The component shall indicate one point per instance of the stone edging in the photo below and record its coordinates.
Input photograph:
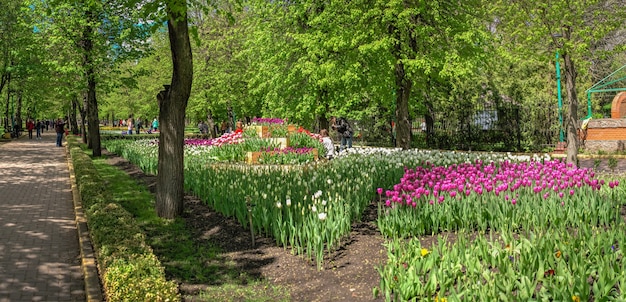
(589, 156)
(93, 289)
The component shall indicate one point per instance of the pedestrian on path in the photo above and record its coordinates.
(130, 125)
(39, 127)
(155, 124)
(30, 126)
(60, 129)
(344, 129)
(138, 125)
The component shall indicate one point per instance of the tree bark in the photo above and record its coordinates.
(403, 90)
(323, 119)
(572, 120)
(211, 123)
(572, 100)
(92, 104)
(172, 104)
(18, 110)
(73, 120)
(7, 121)
(83, 117)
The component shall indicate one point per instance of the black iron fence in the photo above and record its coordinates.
(501, 127)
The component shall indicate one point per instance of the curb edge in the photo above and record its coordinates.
(93, 289)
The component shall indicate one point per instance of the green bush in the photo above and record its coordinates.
(128, 267)
(147, 276)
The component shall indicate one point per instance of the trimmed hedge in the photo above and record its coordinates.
(128, 268)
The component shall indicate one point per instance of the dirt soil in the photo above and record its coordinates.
(349, 274)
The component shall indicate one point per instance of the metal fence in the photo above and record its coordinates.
(497, 127)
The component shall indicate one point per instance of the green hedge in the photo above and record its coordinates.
(128, 267)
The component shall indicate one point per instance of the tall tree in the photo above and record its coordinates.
(89, 54)
(424, 38)
(566, 26)
(91, 38)
(172, 104)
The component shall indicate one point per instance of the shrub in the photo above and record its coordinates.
(127, 265)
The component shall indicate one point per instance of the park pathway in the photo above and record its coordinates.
(39, 248)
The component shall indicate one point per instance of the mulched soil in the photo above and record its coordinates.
(349, 274)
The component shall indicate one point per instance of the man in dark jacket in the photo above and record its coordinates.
(60, 130)
(342, 127)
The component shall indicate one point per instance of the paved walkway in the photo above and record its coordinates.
(39, 248)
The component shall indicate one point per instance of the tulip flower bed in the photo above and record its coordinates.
(497, 196)
(524, 228)
(556, 234)
(309, 208)
(230, 147)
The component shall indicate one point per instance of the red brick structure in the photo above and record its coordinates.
(618, 107)
(606, 134)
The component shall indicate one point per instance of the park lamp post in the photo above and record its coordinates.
(558, 88)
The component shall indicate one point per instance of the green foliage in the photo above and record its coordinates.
(612, 163)
(138, 278)
(551, 265)
(130, 270)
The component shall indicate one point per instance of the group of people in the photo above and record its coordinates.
(39, 126)
(43, 125)
(138, 125)
(345, 133)
(203, 127)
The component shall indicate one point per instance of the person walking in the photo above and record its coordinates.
(155, 124)
(30, 126)
(38, 127)
(138, 125)
(129, 124)
(342, 126)
(59, 127)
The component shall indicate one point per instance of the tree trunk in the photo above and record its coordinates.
(82, 109)
(323, 119)
(18, 110)
(572, 100)
(73, 121)
(231, 119)
(7, 122)
(403, 90)
(172, 104)
(211, 122)
(92, 116)
(324, 124)
(572, 120)
(92, 104)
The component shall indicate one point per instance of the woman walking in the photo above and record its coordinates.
(30, 126)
